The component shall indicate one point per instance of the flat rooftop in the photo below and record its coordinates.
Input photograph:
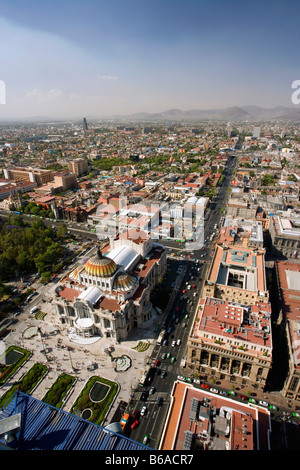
(218, 422)
(231, 321)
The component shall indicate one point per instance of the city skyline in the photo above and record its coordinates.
(123, 57)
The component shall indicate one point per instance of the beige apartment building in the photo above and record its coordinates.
(231, 341)
(78, 166)
(34, 175)
(237, 274)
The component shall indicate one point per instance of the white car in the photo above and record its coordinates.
(263, 403)
(178, 342)
(143, 410)
(214, 390)
(173, 343)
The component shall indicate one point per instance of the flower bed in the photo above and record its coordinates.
(58, 391)
(99, 409)
(141, 346)
(11, 360)
(26, 384)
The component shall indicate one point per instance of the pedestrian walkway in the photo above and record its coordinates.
(50, 344)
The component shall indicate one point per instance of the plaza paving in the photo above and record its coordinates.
(82, 358)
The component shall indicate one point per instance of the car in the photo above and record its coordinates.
(196, 381)
(173, 343)
(143, 410)
(180, 377)
(159, 401)
(188, 379)
(222, 392)
(144, 395)
(168, 355)
(156, 363)
(135, 424)
(251, 400)
(172, 359)
(273, 407)
(136, 414)
(204, 386)
(178, 342)
(163, 356)
(214, 390)
(163, 374)
(146, 438)
(296, 415)
(242, 397)
(165, 342)
(152, 390)
(231, 392)
(263, 403)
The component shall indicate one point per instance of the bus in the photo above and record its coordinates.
(161, 337)
(34, 309)
(143, 380)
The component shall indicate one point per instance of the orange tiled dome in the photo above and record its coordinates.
(100, 266)
(123, 282)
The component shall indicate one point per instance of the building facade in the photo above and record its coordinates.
(231, 341)
(109, 294)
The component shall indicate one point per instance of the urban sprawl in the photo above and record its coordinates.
(150, 284)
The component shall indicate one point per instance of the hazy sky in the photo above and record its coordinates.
(102, 57)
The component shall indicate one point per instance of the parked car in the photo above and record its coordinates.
(136, 414)
(178, 342)
(159, 401)
(145, 440)
(143, 410)
(214, 390)
(152, 390)
(163, 374)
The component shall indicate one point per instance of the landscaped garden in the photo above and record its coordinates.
(26, 384)
(141, 346)
(95, 399)
(11, 360)
(58, 391)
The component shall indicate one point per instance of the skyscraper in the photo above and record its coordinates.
(85, 126)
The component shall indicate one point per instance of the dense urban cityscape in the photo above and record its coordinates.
(149, 230)
(150, 285)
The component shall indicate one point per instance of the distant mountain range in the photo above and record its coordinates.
(230, 114)
(235, 113)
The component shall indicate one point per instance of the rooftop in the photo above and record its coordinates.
(200, 419)
(44, 427)
(222, 319)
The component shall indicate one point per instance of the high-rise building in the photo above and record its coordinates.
(85, 126)
(78, 166)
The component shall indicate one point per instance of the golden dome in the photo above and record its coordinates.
(100, 266)
(123, 281)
